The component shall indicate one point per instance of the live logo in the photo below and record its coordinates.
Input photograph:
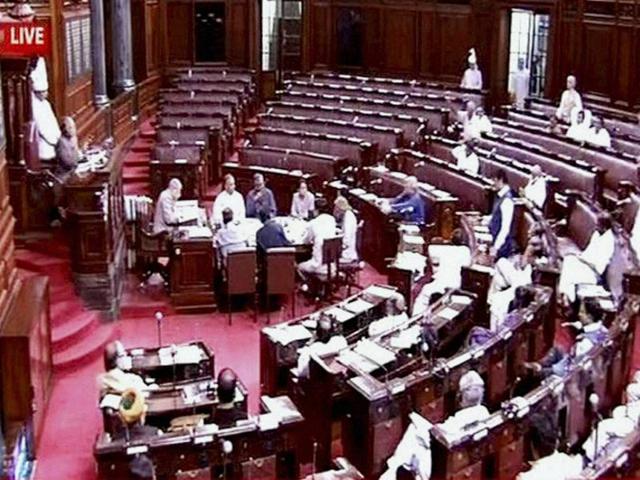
(25, 39)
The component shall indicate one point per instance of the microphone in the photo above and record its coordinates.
(227, 448)
(159, 317)
(594, 400)
(377, 181)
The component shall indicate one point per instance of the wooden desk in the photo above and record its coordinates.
(95, 213)
(147, 362)
(258, 451)
(191, 172)
(192, 264)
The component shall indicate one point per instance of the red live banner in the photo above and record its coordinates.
(25, 39)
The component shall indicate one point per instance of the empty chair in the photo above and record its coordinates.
(241, 276)
(280, 276)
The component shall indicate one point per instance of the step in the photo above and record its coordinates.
(39, 262)
(70, 333)
(136, 174)
(136, 188)
(148, 133)
(63, 310)
(57, 248)
(85, 351)
(136, 160)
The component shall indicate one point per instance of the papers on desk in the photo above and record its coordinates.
(380, 291)
(410, 261)
(310, 323)
(398, 175)
(282, 406)
(585, 291)
(358, 192)
(110, 400)
(461, 300)
(405, 338)
(340, 314)
(447, 313)
(125, 363)
(357, 306)
(182, 354)
(370, 197)
(197, 232)
(374, 352)
(187, 210)
(286, 334)
(268, 421)
(484, 237)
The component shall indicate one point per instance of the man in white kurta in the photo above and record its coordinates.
(478, 124)
(598, 134)
(166, 211)
(569, 101)
(472, 77)
(318, 230)
(589, 266)
(228, 198)
(536, 188)
(349, 225)
(413, 452)
(45, 120)
(471, 387)
(396, 314)
(519, 85)
(466, 157)
(580, 125)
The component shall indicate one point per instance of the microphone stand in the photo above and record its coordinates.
(159, 317)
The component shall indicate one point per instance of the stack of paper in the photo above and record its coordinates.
(288, 333)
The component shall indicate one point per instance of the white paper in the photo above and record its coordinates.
(447, 313)
(379, 291)
(110, 401)
(289, 333)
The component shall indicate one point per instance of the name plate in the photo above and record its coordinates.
(398, 388)
(480, 435)
(180, 160)
(137, 450)
(201, 440)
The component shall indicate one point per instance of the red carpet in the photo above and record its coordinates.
(73, 421)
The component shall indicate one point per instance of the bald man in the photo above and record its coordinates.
(260, 198)
(569, 101)
(166, 213)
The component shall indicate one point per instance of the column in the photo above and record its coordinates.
(122, 54)
(98, 49)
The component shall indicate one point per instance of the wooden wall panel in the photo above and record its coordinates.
(428, 55)
(400, 47)
(236, 19)
(597, 53)
(455, 32)
(179, 32)
(319, 35)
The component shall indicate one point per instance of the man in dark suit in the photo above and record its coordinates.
(227, 412)
(271, 234)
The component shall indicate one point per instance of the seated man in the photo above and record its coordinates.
(408, 205)
(559, 466)
(598, 135)
(303, 202)
(115, 380)
(570, 101)
(558, 361)
(412, 456)
(510, 273)
(228, 198)
(271, 234)
(318, 229)
(589, 266)
(229, 237)
(227, 413)
(536, 188)
(260, 198)
(554, 126)
(348, 223)
(479, 124)
(466, 157)
(471, 391)
(166, 213)
(579, 129)
(396, 314)
(325, 343)
(447, 261)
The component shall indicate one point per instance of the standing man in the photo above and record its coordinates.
(472, 77)
(260, 198)
(501, 219)
(166, 213)
(319, 229)
(466, 157)
(520, 84)
(569, 101)
(303, 202)
(228, 198)
(45, 120)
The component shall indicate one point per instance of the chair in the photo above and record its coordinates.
(241, 276)
(280, 276)
(331, 252)
(352, 269)
(150, 246)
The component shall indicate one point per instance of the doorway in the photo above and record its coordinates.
(210, 32)
(528, 44)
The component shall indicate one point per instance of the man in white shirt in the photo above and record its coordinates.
(471, 387)
(115, 380)
(413, 453)
(569, 101)
(472, 77)
(519, 87)
(466, 157)
(589, 266)
(598, 134)
(501, 219)
(45, 120)
(228, 198)
(303, 202)
(318, 229)
(447, 261)
(478, 124)
(166, 212)
(348, 222)
(325, 344)
(536, 188)
(579, 129)
(229, 237)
